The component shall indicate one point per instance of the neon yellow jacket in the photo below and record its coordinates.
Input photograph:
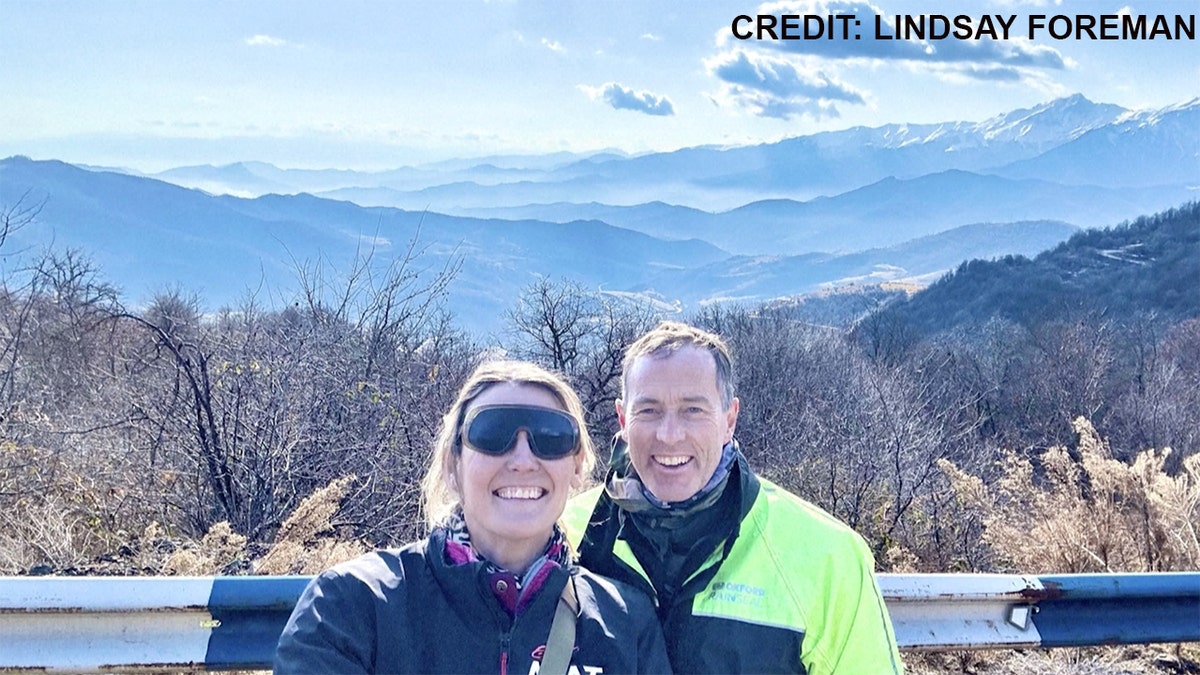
(792, 590)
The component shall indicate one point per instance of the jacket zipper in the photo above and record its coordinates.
(504, 639)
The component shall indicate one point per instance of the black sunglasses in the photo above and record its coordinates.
(492, 430)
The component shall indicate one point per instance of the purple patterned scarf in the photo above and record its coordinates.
(514, 592)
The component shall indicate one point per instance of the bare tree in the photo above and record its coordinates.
(554, 321)
(1161, 398)
(18, 215)
(260, 408)
(583, 335)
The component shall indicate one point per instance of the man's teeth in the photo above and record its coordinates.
(672, 460)
(520, 492)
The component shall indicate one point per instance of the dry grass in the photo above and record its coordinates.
(220, 547)
(307, 543)
(52, 515)
(1087, 514)
(1150, 660)
(1079, 513)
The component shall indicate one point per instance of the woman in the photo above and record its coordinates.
(481, 593)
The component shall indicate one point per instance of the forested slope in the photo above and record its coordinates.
(1150, 266)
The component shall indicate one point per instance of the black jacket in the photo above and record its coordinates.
(408, 611)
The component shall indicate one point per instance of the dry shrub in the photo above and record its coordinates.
(307, 542)
(219, 550)
(1153, 660)
(1091, 514)
(52, 515)
(899, 560)
(943, 529)
(40, 531)
(1074, 514)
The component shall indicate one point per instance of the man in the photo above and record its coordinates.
(747, 577)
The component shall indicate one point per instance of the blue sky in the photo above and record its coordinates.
(351, 84)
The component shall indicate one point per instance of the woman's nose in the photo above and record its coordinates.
(521, 455)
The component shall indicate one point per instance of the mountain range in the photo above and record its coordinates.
(1070, 140)
(698, 225)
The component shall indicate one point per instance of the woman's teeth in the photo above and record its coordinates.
(520, 492)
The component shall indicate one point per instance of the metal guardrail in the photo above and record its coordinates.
(939, 612)
(105, 624)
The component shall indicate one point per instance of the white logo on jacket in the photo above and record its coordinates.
(536, 667)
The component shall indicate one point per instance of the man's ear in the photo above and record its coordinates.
(731, 419)
(621, 413)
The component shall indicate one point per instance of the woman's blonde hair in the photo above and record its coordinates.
(439, 498)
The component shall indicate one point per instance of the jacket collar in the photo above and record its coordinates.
(471, 587)
(622, 486)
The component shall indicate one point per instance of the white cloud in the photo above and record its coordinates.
(621, 97)
(810, 77)
(652, 37)
(776, 86)
(553, 45)
(265, 41)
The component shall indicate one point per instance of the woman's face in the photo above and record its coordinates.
(512, 501)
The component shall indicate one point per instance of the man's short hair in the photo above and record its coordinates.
(669, 336)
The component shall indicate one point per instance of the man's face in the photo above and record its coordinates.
(674, 422)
